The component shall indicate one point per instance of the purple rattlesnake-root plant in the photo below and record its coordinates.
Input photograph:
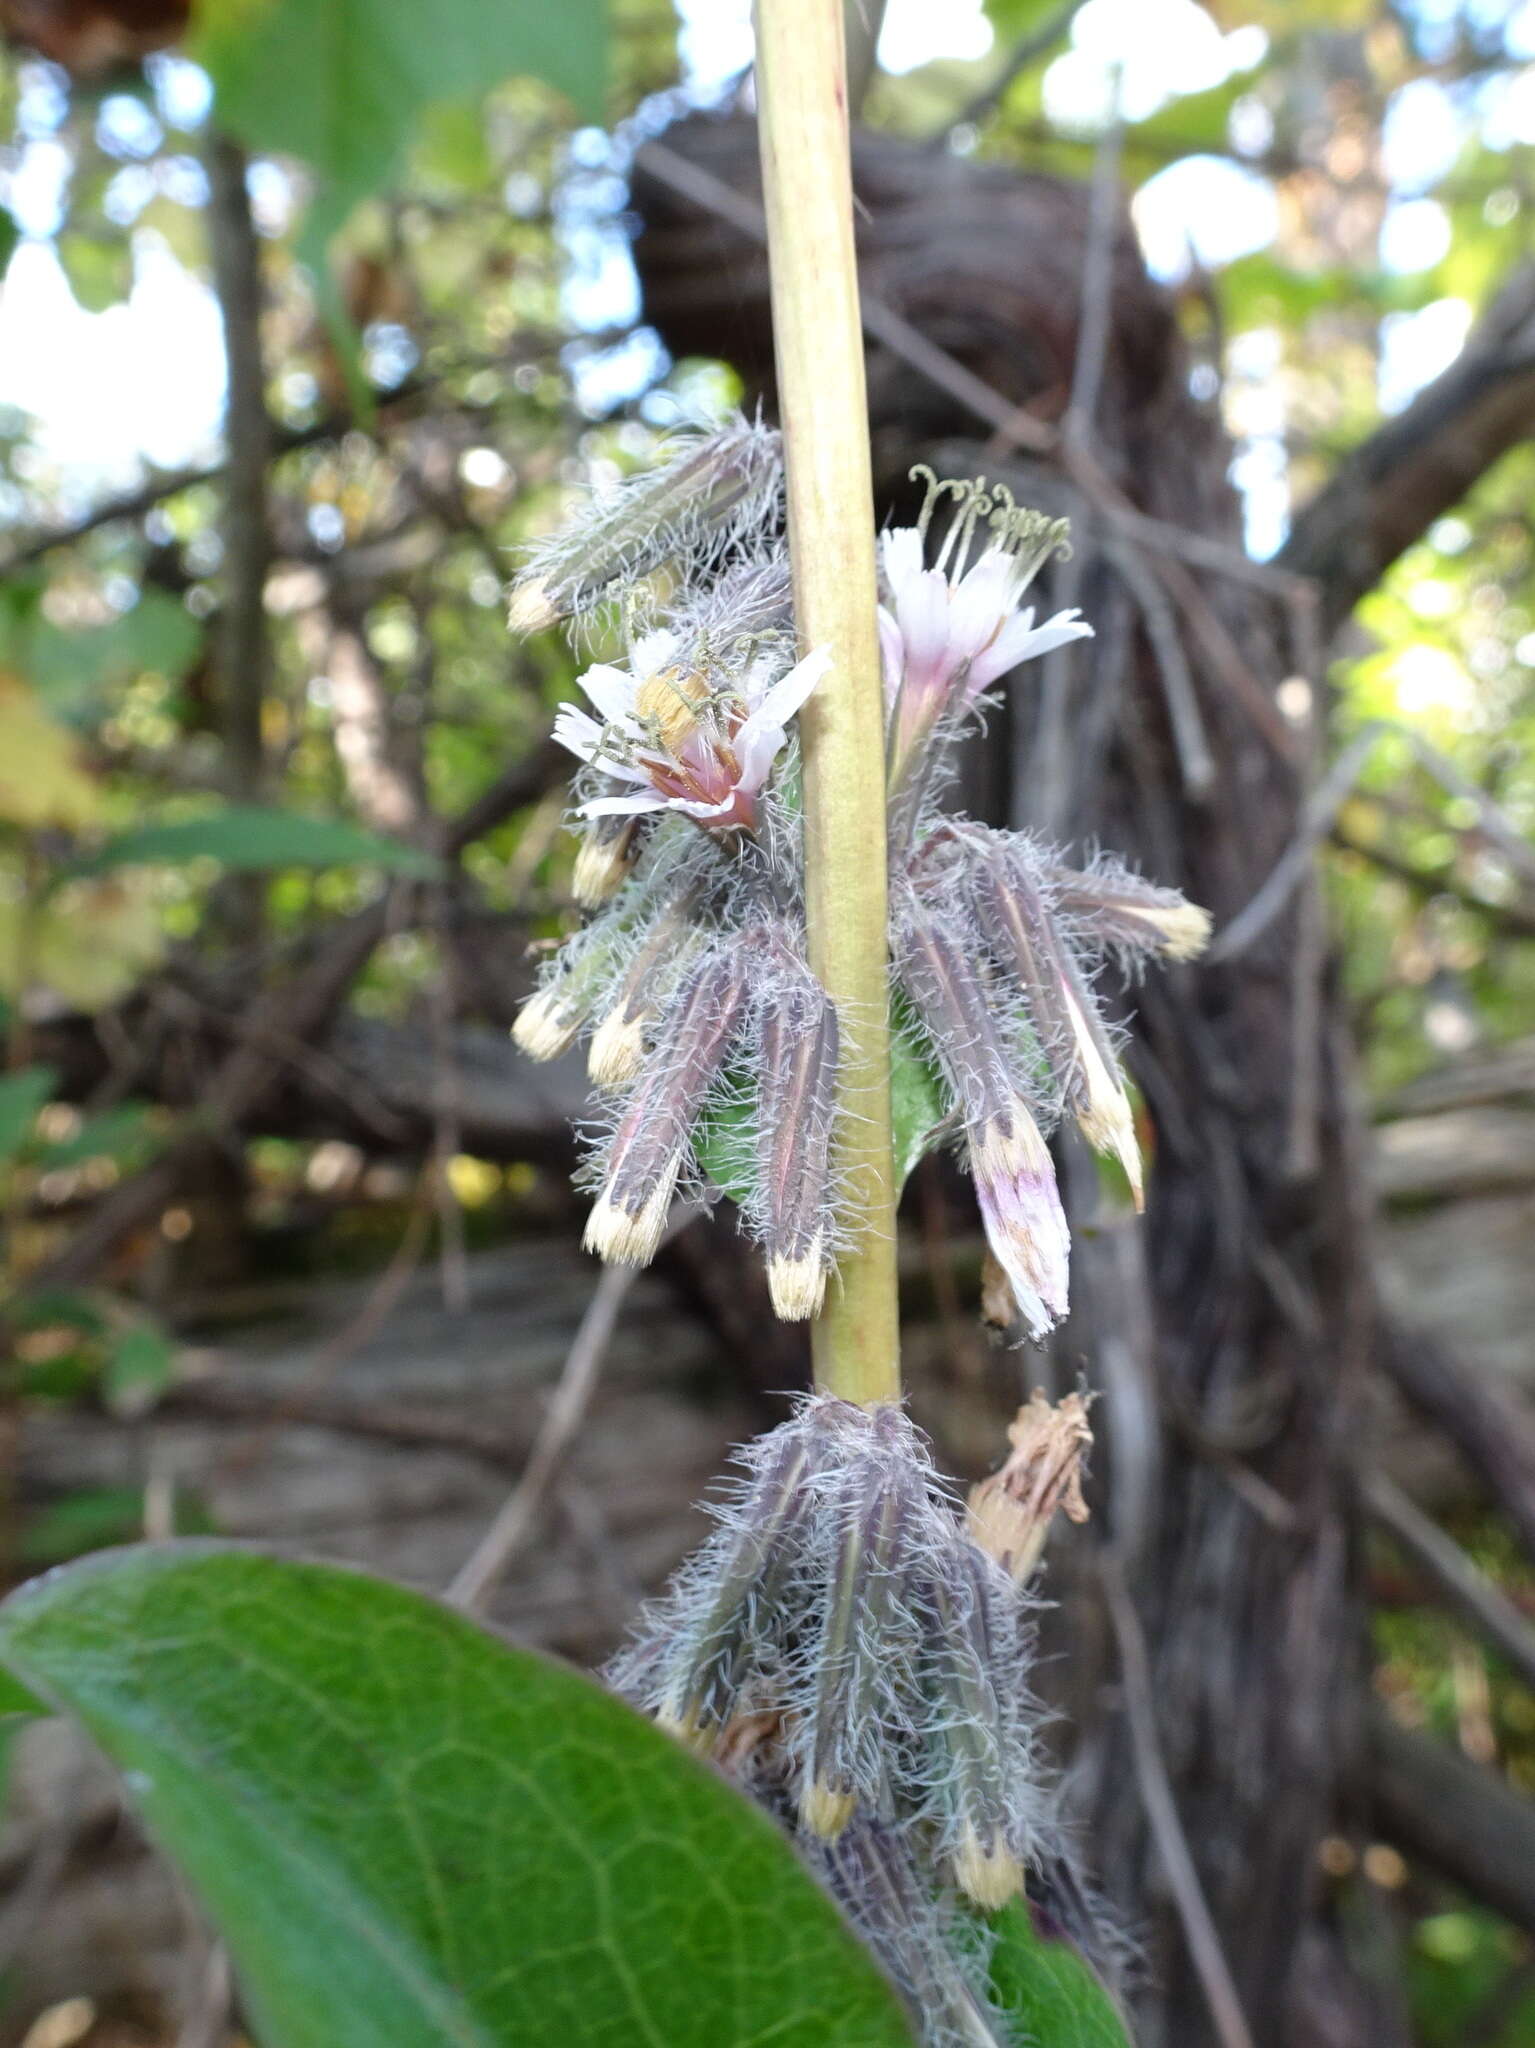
(848, 1644)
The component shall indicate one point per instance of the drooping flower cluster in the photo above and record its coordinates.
(709, 1032)
(848, 1645)
(713, 1045)
(995, 941)
(853, 1653)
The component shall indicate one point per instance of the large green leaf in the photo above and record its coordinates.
(413, 1835)
(341, 84)
(248, 837)
(1048, 1989)
(15, 1701)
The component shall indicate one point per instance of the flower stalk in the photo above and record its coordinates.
(807, 189)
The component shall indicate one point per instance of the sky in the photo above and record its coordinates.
(143, 381)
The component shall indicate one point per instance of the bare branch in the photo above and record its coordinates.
(1039, 43)
(1463, 1587)
(481, 1571)
(1320, 816)
(1388, 491)
(243, 651)
(1493, 1432)
(1205, 1950)
(1434, 1803)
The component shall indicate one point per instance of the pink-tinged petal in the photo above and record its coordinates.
(586, 738)
(760, 735)
(1039, 1285)
(1021, 640)
(622, 806)
(756, 749)
(739, 809)
(779, 704)
(612, 691)
(892, 654)
(900, 555)
(979, 608)
(1029, 1239)
(922, 612)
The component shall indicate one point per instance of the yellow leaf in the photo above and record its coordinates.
(41, 780)
(89, 942)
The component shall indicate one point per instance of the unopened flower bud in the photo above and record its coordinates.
(1119, 908)
(945, 986)
(729, 1625)
(1014, 1176)
(609, 849)
(531, 609)
(1102, 1107)
(651, 1142)
(981, 1786)
(796, 1110)
(751, 600)
(629, 1232)
(1020, 928)
(862, 1641)
(986, 1870)
(872, 1870)
(549, 1022)
(1021, 1208)
(716, 483)
(617, 1050)
(1011, 1512)
(570, 987)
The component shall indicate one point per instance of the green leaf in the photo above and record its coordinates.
(99, 268)
(15, 1700)
(416, 1836)
(122, 1132)
(342, 84)
(75, 667)
(1047, 1988)
(139, 1368)
(95, 1518)
(22, 1095)
(246, 837)
(917, 1104)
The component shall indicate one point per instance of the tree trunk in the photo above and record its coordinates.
(1229, 1334)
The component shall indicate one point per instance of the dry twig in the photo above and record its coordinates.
(1205, 1950)
(1464, 1588)
(476, 1580)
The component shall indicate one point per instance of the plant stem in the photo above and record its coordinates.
(807, 189)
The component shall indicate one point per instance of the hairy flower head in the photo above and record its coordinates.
(952, 628)
(685, 740)
(713, 486)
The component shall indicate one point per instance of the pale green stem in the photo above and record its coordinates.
(807, 189)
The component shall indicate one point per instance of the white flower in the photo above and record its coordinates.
(683, 743)
(951, 631)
